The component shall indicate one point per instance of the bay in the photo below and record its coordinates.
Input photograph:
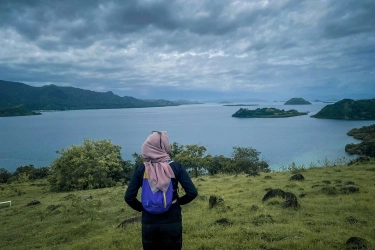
(281, 141)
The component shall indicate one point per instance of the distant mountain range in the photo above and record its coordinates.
(52, 97)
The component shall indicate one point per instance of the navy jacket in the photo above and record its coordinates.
(174, 213)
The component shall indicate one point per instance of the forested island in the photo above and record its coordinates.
(6, 112)
(348, 109)
(367, 146)
(297, 101)
(266, 113)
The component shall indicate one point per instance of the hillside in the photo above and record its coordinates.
(266, 113)
(297, 101)
(326, 217)
(348, 109)
(52, 97)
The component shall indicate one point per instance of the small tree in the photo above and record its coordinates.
(247, 160)
(95, 164)
(192, 158)
(5, 175)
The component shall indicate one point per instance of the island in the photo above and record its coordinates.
(348, 109)
(367, 146)
(16, 111)
(236, 105)
(266, 113)
(297, 101)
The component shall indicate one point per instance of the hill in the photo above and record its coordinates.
(348, 109)
(297, 101)
(326, 217)
(266, 113)
(52, 97)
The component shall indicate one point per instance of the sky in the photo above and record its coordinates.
(193, 49)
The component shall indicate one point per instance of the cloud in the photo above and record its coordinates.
(192, 48)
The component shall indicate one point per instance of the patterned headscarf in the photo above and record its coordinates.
(155, 152)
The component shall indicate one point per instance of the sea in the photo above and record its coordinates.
(300, 140)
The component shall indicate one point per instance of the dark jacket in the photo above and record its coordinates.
(174, 213)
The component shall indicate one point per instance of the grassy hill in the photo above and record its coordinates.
(325, 219)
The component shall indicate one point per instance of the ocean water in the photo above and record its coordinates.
(281, 141)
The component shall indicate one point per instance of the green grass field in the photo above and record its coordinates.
(325, 219)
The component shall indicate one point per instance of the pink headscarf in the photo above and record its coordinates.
(155, 152)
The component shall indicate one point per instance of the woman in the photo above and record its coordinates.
(160, 231)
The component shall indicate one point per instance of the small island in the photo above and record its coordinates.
(242, 105)
(16, 111)
(266, 113)
(348, 109)
(297, 101)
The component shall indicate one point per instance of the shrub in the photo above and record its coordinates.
(95, 164)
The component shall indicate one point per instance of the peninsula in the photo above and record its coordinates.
(266, 113)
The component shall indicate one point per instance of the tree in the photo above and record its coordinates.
(218, 164)
(247, 160)
(5, 175)
(95, 164)
(176, 149)
(192, 158)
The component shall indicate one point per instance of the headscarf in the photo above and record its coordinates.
(155, 152)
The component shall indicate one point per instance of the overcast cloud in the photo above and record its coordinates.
(193, 49)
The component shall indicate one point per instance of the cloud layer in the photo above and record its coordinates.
(193, 49)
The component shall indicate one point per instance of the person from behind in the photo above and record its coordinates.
(160, 203)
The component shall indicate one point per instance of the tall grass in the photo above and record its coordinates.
(325, 219)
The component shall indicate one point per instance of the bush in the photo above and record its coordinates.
(95, 164)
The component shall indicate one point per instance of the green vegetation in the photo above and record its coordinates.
(95, 164)
(90, 219)
(16, 111)
(365, 148)
(348, 109)
(297, 101)
(266, 113)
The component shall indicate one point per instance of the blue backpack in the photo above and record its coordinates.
(158, 202)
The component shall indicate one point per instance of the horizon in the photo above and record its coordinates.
(193, 50)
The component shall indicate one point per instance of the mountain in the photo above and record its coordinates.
(266, 113)
(52, 97)
(297, 101)
(348, 109)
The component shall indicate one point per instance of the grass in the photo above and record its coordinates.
(325, 219)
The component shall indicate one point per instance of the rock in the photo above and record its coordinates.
(254, 208)
(214, 200)
(129, 221)
(86, 196)
(34, 202)
(349, 183)
(351, 220)
(297, 177)
(223, 222)
(356, 243)
(263, 219)
(350, 189)
(289, 203)
(274, 193)
(330, 190)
